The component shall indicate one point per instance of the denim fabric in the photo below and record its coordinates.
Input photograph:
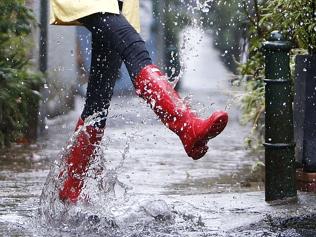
(113, 40)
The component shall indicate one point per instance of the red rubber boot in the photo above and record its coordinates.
(152, 85)
(77, 161)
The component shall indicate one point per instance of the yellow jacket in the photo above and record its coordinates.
(66, 12)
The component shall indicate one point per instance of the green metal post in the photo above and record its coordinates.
(43, 36)
(279, 132)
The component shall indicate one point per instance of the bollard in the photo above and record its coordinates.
(43, 36)
(279, 132)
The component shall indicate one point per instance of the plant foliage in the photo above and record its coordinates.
(297, 21)
(18, 84)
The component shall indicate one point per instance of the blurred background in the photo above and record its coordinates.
(211, 52)
(57, 59)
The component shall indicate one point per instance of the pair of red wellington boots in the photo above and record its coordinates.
(152, 85)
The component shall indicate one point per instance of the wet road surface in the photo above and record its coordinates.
(167, 194)
(208, 194)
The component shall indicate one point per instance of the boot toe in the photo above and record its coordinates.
(197, 153)
(211, 128)
(217, 123)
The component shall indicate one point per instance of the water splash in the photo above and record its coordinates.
(107, 206)
(203, 6)
(99, 176)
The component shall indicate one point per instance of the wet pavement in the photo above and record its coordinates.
(159, 191)
(156, 164)
(210, 195)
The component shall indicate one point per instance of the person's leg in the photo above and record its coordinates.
(104, 71)
(115, 30)
(152, 85)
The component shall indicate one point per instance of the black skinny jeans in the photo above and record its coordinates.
(113, 40)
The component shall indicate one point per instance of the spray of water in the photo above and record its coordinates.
(107, 205)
